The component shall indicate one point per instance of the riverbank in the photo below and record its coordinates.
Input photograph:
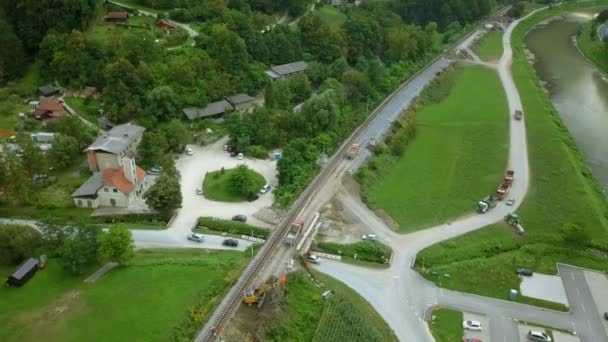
(563, 193)
(592, 48)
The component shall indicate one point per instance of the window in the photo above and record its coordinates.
(113, 202)
(114, 190)
(80, 203)
(105, 190)
(89, 204)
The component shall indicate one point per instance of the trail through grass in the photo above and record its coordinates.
(489, 48)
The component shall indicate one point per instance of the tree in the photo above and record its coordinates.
(80, 249)
(226, 46)
(54, 235)
(33, 161)
(575, 234)
(117, 245)
(602, 16)
(163, 103)
(11, 60)
(165, 195)
(516, 10)
(18, 243)
(74, 127)
(176, 135)
(153, 146)
(64, 151)
(243, 181)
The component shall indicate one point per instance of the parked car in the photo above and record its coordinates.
(535, 335)
(470, 339)
(199, 191)
(265, 189)
(240, 156)
(510, 201)
(241, 218)
(313, 258)
(368, 236)
(252, 198)
(234, 154)
(225, 147)
(525, 272)
(472, 325)
(155, 170)
(606, 315)
(189, 151)
(231, 243)
(196, 237)
(230, 149)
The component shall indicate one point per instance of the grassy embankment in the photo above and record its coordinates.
(447, 326)
(592, 47)
(562, 191)
(489, 48)
(163, 295)
(86, 107)
(367, 252)
(346, 316)
(217, 186)
(458, 155)
(331, 15)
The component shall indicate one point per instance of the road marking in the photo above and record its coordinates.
(572, 276)
(583, 307)
(578, 291)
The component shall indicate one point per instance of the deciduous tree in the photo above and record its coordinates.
(117, 245)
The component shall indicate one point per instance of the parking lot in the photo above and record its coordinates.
(558, 336)
(544, 286)
(212, 158)
(598, 285)
(484, 334)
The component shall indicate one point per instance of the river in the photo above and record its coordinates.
(578, 90)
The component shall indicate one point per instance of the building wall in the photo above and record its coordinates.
(107, 160)
(86, 202)
(108, 193)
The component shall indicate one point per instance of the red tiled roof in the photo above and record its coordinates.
(117, 179)
(51, 107)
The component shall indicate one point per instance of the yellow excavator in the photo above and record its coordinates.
(253, 296)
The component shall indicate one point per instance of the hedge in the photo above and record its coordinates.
(232, 227)
(371, 251)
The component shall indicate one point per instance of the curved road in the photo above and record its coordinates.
(401, 296)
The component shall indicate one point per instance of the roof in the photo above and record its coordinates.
(272, 74)
(117, 15)
(24, 268)
(47, 90)
(117, 139)
(286, 69)
(90, 187)
(240, 98)
(51, 106)
(116, 178)
(213, 108)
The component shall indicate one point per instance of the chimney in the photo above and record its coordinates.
(128, 168)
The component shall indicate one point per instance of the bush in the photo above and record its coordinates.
(18, 243)
(257, 151)
(232, 227)
(371, 251)
(131, 218)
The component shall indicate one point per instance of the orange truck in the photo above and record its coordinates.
(505, 186)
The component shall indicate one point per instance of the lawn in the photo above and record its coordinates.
(217, 187)
(592, 47)
(331, 15)
(346, 316)
(150, 300)
(86, 107)
(458, 156)
(562, 191)
(489, 48)
(447, 326)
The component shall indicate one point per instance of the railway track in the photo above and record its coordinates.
(227, 308)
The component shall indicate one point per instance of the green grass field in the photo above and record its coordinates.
(489, 48)
(346, 316)
(458, 156)
(87, 108)
(331, 15)
(216, 186)
(592, 47)
(447, 326)
(562, 191)
(145, 301)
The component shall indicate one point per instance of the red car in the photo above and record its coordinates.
(469, 339)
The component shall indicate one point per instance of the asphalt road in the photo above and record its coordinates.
(402, 297)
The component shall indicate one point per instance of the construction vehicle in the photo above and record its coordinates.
(352, 151)
(518, 114)
(257, 296)
(294, 232)
(514, 221)
(486, 204)
(505, 186)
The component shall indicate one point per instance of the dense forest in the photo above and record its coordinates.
(351, 65)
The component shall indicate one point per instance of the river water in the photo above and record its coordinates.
(578, 90)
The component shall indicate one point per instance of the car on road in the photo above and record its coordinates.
(470, 339)
(313, 258)
(525, 272)
(606, 316)
(189, 151)
(472, 325)
(368, 237)
(510, 201)
(265, 189)
(196, 237)
(241, 218)
(199, 191)
(231, 243)
(155, 170)
(535, 335)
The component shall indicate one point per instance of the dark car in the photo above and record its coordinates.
(234, 153)
(525, 272)
(230, 243)
(241, 218)
(253, 198)
(606, 315)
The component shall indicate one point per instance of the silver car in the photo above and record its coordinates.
(196, 237)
